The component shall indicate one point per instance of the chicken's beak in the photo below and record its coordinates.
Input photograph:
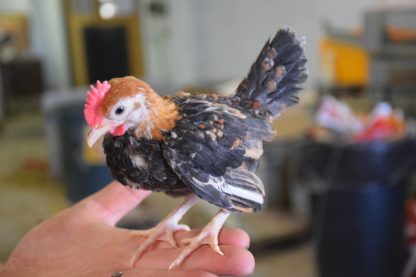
(96, 133)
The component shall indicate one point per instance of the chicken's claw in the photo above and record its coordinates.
(164, 231)
(169, 235)
(208, 235)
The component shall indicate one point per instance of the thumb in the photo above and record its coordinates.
(112, 202)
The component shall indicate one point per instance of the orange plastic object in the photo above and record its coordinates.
(343, 63)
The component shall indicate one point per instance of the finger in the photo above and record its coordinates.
(236, 261)
(166, 273)
(112, 202)
(227, 236)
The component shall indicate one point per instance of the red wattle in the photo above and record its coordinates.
(119, 130)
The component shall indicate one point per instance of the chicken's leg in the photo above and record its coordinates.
(208, 235)
(165, 229)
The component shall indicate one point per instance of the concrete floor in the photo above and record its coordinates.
(28, 196)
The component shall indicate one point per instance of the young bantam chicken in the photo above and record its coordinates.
(196, 146)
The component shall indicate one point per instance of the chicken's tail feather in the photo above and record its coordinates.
(275, 77)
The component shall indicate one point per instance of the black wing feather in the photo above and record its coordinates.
(210, 146)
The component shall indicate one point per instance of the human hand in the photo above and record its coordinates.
(83, 241)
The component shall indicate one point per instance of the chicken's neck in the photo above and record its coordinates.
(163, 114)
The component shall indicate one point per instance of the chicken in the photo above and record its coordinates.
(196, 146)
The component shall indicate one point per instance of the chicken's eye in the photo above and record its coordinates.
(119, 110)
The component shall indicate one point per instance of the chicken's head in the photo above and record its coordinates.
(124, 103)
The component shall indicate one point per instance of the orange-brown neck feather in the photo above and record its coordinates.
(163, 114)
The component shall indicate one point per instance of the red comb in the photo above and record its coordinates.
(92, 109)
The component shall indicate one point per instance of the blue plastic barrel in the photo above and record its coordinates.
(359, 211)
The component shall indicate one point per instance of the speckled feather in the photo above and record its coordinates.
(214, 147)
(210, 144)
(139, 163)
(275, 77)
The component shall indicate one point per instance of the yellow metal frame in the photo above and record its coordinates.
(17, 25)
(76, 24)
